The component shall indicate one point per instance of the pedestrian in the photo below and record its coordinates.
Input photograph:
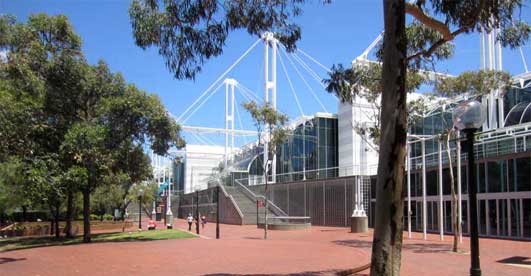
(203, 221)
(190, 219)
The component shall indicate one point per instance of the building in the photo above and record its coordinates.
(357, 153)
(199, 163)
(310, 152)
(503, 169)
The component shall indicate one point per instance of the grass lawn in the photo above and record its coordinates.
(31, 242)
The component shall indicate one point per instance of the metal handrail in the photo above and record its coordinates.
(317, 174)
(255, 197)
(232, 200)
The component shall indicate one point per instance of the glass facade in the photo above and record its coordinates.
(503, 170)
(178, 172)
(311, 148)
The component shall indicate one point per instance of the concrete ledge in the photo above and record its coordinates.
(286, 226)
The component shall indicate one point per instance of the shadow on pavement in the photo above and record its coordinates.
(307, 273)
(517, 260)
(415, 247)
(4, 260)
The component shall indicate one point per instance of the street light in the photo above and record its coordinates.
(140, 194)
(469, 116)
(197, 218)
(217, 209)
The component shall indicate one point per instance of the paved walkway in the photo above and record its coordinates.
(242, 251)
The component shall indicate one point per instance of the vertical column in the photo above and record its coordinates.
(226, 123)
(408, 165)
(266, 99)
(270, 85)
(273, 71)
(424, 204)
(441, 203)
(232, 83)
(274, 95)
(459, 198)
(501, 116)
(266, 68)
(492, 66)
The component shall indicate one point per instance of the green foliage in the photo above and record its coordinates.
(148, 190)
(189, 32)
(473, 83)
(71, 126)
(364, 81)
(108, 217)
(11, 186)
(473, 15)
(267, 119)
(106, 198)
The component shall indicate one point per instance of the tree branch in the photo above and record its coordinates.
(429, 21)
(427, 53)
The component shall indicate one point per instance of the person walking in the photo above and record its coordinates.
(190, 219)
(203, 221)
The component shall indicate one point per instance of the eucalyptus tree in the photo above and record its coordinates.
(270, 126)
(472, 84)
(89, 118)
(187, 33)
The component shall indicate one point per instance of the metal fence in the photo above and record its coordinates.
(328, 202)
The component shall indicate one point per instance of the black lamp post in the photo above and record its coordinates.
(197, 218)
(468, 117)
(140, 194)
(217, 211)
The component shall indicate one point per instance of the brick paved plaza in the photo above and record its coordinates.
(241, 251)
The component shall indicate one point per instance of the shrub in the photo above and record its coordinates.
(108, 217)
(94, 217)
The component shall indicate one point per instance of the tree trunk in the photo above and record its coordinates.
(86, 215)
(52, 226)
(69, 214)
(56, 218)
(455, 213)
(24, 213)
(387, 241)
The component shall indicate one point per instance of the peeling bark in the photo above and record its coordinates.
(455, 213)
(387, 241)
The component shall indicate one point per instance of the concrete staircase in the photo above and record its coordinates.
(247, 205)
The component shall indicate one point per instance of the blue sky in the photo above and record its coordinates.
(335, 33)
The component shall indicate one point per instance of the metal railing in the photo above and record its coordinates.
(319, 174)
(255, 197)
(504, 141)
(232, 200)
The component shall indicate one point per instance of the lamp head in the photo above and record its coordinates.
(469, 115)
